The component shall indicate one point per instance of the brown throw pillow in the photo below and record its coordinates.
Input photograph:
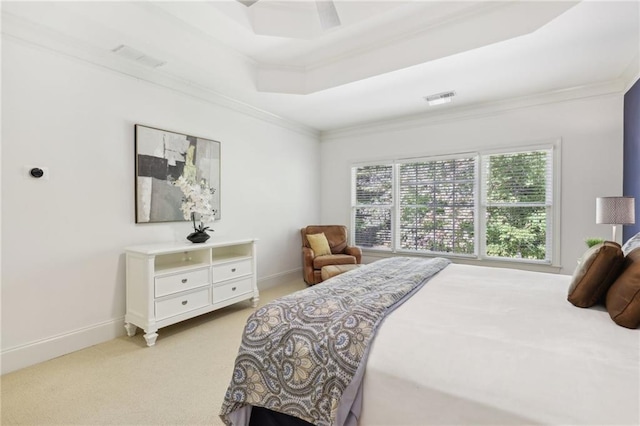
(623, 298)
(598, 269)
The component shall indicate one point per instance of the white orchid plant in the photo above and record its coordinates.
(197, 200)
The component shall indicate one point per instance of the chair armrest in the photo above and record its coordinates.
(307, 265)
(355, 252)
(308, 255)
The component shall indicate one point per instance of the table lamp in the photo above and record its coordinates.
(615, 211)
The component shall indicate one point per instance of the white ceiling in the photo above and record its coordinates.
(380, 63)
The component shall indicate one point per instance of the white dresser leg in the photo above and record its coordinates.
(131, 329)
(151, 338)
(254, 301)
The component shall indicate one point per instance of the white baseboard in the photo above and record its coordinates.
(32, 353)
(42, 350)
(279, 278)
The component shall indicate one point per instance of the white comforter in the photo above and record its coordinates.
(498, 346)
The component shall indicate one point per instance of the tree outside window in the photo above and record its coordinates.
(445, 205)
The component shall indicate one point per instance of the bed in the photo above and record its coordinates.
(473, 345)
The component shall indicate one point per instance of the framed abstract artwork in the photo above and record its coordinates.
(162, 157)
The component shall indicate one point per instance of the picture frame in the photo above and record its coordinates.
(161, 157)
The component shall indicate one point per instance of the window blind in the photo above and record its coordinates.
(518, 202)
(437, 203)
(486, 204)
(373, 203)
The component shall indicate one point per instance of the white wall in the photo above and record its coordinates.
(62, 239)
(63, 283)
(591, 134)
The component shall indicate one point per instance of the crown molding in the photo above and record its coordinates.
(489, 23)
(473, 111)
(412, 32)
(31, 34)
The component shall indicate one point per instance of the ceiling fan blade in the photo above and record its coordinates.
(248, 2)
(328, 14)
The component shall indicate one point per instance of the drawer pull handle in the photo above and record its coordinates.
(233, 289)
(184, 302)
(233, 270)
(184, 280)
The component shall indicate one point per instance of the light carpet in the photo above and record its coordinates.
(179, 381)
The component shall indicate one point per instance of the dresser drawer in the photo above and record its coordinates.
(232, 289)
(227, 271)
(182, 303)
(179, 282)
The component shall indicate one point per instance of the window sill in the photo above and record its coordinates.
(373, 255)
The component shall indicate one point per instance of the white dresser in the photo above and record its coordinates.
(168, 283)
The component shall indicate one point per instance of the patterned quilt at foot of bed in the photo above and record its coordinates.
(303, 354)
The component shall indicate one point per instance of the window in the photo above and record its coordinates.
(481, 205)
(373, 202)
(517, 205)
(437, 205)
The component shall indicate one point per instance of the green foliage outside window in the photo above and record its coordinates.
(433, 206)
(437, 206)
(516, 205)
(373, 198)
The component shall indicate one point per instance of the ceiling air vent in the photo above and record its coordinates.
(440, 98)
(137, 56)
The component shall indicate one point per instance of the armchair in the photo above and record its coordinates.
(341, 253)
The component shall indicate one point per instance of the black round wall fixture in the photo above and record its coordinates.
(36, 172)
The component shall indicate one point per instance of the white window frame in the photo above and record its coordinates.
(553, 228)
(398, 164)
(550, 202)
(391, 207)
